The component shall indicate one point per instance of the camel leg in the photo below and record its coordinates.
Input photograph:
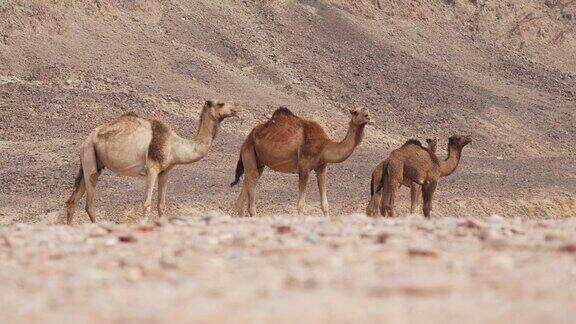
(79, 191)
(151, 176)
(90, 175)
(385, 194)
(392, 180)
(427, 194)
(385, 197)
(392, 201)
(251, 176)
(415, 190)
(162, 187)
(302, 190)
(241, 200)
(321, 177)
(251, 193)
(374, 204)
(90, 187)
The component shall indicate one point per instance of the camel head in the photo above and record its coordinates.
(360, 116)
(459, 141)
(221, 110)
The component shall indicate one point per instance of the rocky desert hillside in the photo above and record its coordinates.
(500, 246)
(502, 71)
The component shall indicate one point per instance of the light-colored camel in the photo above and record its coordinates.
(289, 144)
(415, 167)
(415, 189)
(135, 146)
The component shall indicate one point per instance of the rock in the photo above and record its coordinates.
(568, 248)
(282, 229)
(382, 238)
(470, 223)
(212, 215)
(422, 252)
(552, 237)
(127, 238)
(292, 282)
(144, 227)
(5, 241)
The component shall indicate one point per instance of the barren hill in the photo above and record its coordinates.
(502, 71)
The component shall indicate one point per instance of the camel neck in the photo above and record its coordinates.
(449, 165)
(335, 152)
(188, 151)
(207, 129)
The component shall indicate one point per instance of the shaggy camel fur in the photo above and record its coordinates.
(290, 144)
(415, 167)
(134, 146)
(415, 189)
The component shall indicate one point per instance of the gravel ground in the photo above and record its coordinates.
(215, 268)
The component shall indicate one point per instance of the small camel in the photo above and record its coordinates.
(289, 144)
(415, 189)
(135, 146)
(415, 167)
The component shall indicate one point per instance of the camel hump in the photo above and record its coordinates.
(160, 138)
(413, 141)
(283, 111)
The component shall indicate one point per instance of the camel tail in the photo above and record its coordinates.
(239, 172)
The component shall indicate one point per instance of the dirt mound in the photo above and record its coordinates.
(502, 71)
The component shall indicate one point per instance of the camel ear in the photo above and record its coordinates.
(209, 103)
(353, 111)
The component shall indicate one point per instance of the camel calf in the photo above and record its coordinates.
(416, 167)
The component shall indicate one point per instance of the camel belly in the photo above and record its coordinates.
(414, 175)
(279, 160)
(278, 148)
(125, 155)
